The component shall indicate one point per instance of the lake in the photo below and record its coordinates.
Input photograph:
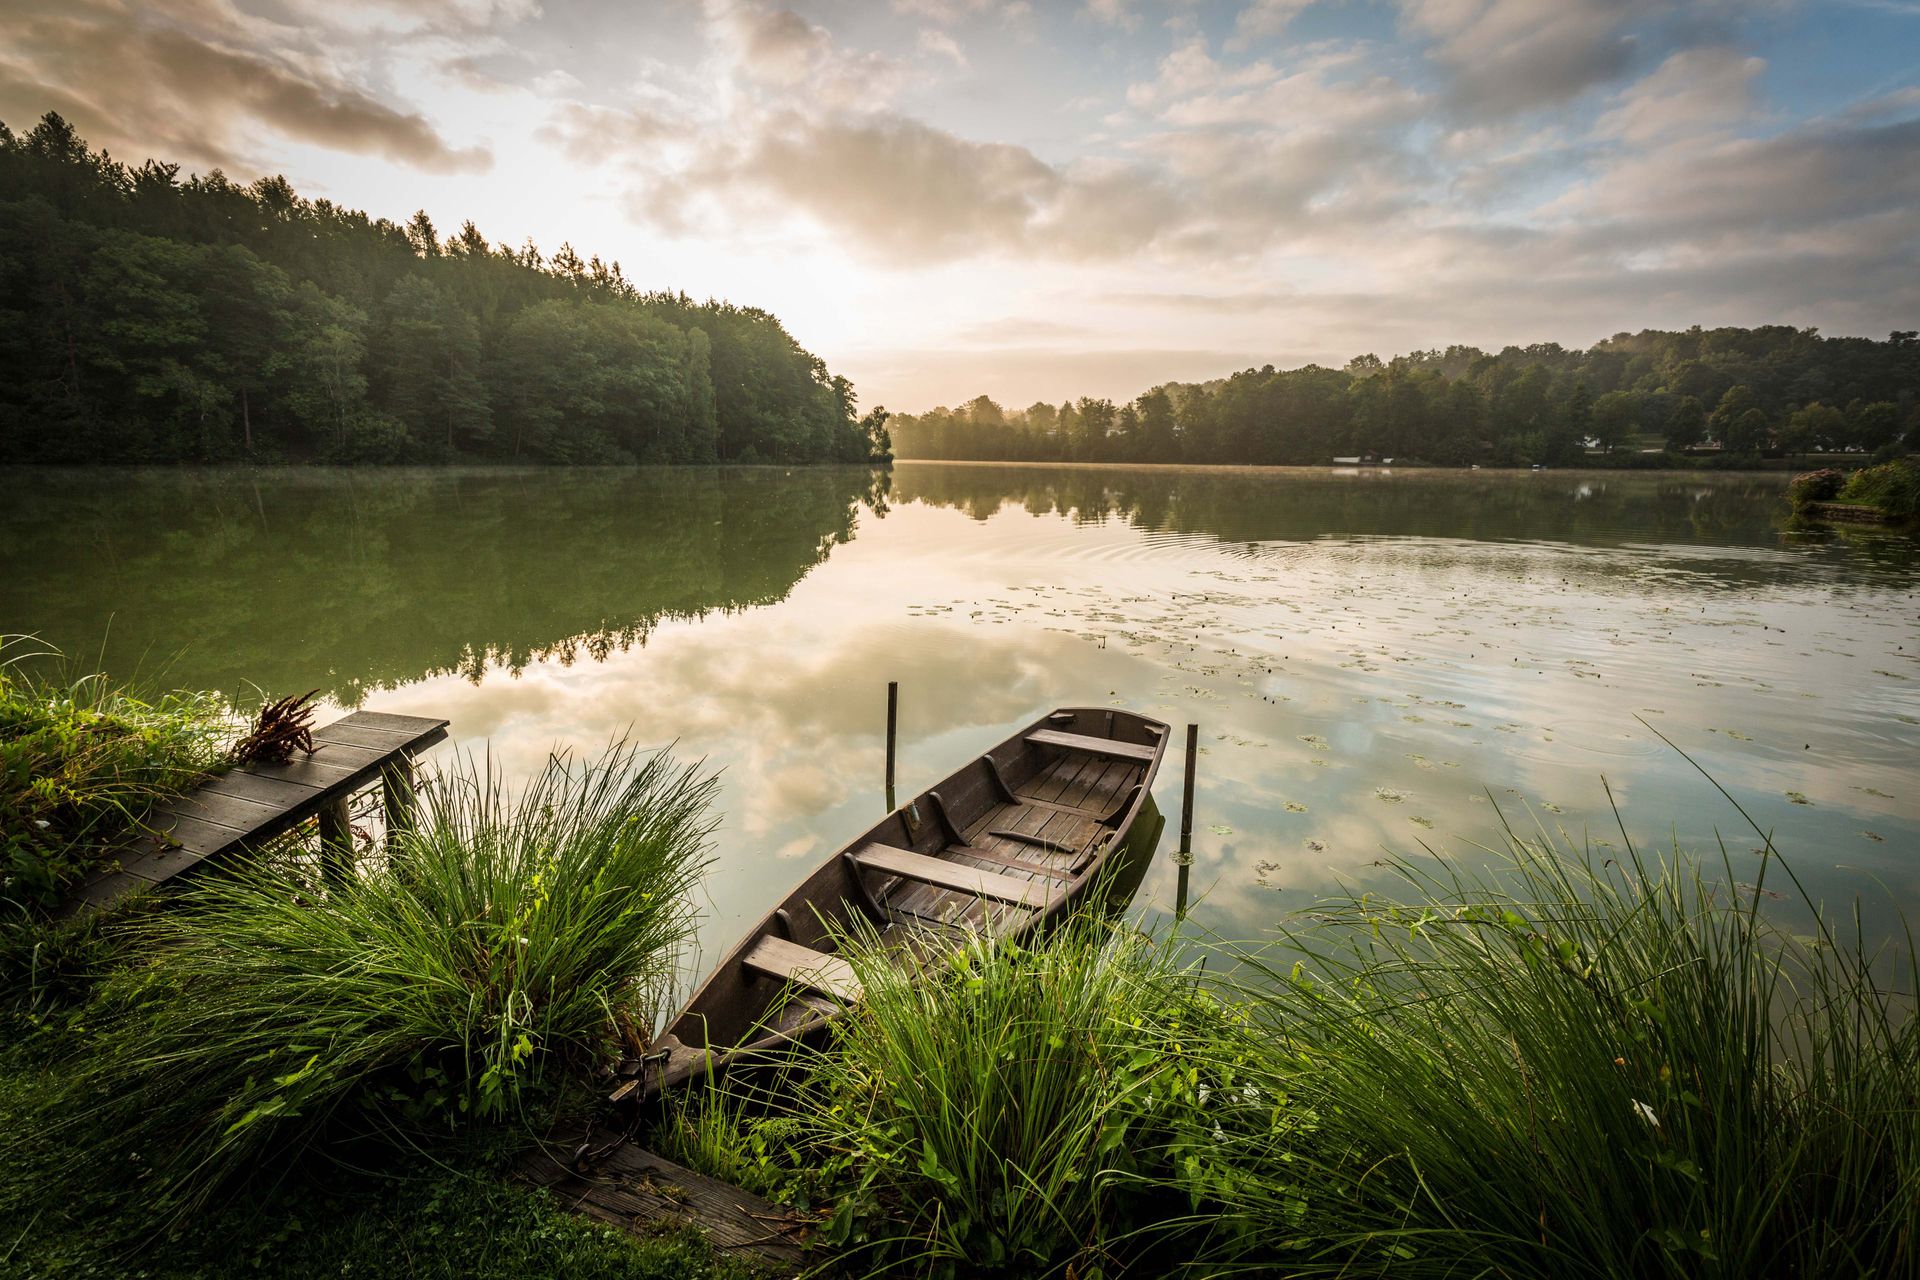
(1378, 661)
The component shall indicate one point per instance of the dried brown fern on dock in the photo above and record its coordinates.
(283, 727)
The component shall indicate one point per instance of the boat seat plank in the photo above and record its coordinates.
(946, 875)
(1092, 746)
(805, 967)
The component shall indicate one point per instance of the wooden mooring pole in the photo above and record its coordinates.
(893, 725)
(1185, 860)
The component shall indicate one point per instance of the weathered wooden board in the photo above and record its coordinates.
(790, 962)
(975, 881)
(638, 1191)
(246, 807)
(1093, 746)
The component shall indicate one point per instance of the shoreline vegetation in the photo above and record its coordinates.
(1885, 494)
(1711, 398)
(149, 318)
(1560, 1061)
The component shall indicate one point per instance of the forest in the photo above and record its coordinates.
(151, 318)
(1729, 394)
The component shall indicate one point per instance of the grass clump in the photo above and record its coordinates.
(1554, 1065)
(1044, 1109)
(506, 940)
(1893, 487)
(82, 761)
(1570, 1067)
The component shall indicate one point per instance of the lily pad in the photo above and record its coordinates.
(1294, 806)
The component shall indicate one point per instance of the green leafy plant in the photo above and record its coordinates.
(82, 761)
(1024, 1109)
(1894, 487)
(507, 936)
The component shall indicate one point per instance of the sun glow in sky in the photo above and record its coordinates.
(1033, 200)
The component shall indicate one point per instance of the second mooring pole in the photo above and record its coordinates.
(893, 721)
(1185, 859)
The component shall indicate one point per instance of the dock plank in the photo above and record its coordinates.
(638, 1191)
(247, 806)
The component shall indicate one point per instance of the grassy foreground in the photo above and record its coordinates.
(1559, 1066)
(1549, 1065)
(281, 1075)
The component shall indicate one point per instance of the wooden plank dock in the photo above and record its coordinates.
(251, 804)
(632, 1188)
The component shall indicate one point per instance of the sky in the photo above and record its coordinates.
(1033, 200)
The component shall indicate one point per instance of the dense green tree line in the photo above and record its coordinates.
(146, 317)
(1740, 392)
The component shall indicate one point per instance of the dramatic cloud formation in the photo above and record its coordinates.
(200, 82)
(952, 196)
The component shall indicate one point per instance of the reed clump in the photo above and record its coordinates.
(1555, 1062)
(510, 939)
(1053, 1108)
(1573, 1065)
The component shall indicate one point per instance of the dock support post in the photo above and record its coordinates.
(336, 842)
(396, 796)
(893, 722)
(1185, 859)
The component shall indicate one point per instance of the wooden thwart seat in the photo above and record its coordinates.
(804, 967)
(977, 881)
(1092, 746)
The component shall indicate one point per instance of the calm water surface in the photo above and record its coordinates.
(1378, 661)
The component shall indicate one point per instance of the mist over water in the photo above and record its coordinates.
(1378, 661)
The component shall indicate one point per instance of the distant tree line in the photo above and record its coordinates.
(149, 318)
(1739, 392)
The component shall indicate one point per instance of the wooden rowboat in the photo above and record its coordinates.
(1008, 843)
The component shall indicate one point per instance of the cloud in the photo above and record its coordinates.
(902, 189)
(1693, 91)
(948, 12)
(1112, 13)
(194, 82)
(941, 45)
(595, 135)
(1262, 20)
(1698, 195)
(779, 51)
(1508, 56)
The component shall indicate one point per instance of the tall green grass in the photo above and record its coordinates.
(1554, 1063)
(510, 938)
(1011, 1109)
(83, 759)
(1572, 1065)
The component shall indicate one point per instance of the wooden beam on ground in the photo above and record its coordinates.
(638, 1191)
